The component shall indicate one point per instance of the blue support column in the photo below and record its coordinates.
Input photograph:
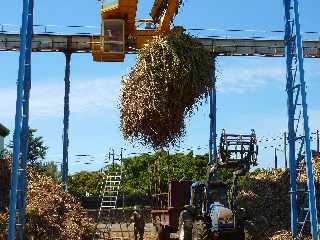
(25, 127)
(298, 125)
(213, 118)
(307, 135)
(18, 122)
(66, 122)
(291, 132)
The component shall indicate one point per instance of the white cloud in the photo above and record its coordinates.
(314, 117)
(47, 99)
(241, 79)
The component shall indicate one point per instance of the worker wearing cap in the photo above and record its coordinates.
(186, 223)
(139, 223)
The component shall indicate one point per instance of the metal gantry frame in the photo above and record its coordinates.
(297, 115)
(298, 127)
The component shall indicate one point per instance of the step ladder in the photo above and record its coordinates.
(109, 199)
(108, 214)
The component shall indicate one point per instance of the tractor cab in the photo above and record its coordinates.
(217, 192)
(205, 194)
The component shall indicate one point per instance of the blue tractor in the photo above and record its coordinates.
(213, 206)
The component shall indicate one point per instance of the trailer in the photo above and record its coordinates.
(167, 207)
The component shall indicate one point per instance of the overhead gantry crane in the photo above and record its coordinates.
(119, 33)
(118, 36)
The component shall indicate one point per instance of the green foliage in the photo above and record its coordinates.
(142, 172)
(85, 182)
(37, 149)
(226, 174)
(50, 169)
(137, 174)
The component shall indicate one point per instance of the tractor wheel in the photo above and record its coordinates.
(201, 230)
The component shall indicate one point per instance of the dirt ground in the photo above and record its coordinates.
(121, 231)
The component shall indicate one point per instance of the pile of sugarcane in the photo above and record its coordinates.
(286, 235)
(173, 74)
(4, 182)
(51, 213)
(265, 196)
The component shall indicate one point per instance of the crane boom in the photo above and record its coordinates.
(167, 16)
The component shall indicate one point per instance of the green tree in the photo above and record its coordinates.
(50, 169)
(85, 182)
(37, 148)
(142, 172)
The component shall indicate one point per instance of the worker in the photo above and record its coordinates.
(138, 223)
(186, 223)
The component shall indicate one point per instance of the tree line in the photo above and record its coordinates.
(140, 173)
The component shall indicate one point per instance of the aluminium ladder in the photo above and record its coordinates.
(107, 215)
(109, 200)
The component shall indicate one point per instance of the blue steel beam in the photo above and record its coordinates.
(213, 118)
(66, 121)
(18, 122)
(217, 46)
(291, 132)
(25, 127)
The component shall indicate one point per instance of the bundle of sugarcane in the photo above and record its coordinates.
(172, 76)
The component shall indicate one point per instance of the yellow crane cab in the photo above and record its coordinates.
(118, 22)
(119, 34)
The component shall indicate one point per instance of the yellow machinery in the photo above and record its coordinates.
(119, 33)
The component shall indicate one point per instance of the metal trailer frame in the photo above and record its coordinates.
(297, 111)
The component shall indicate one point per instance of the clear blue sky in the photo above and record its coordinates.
(251, 90)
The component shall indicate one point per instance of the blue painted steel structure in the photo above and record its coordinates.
(298, 135)
(18, 175)
(298, 125)
(213, 118)
(66, 122)
(25, 127)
